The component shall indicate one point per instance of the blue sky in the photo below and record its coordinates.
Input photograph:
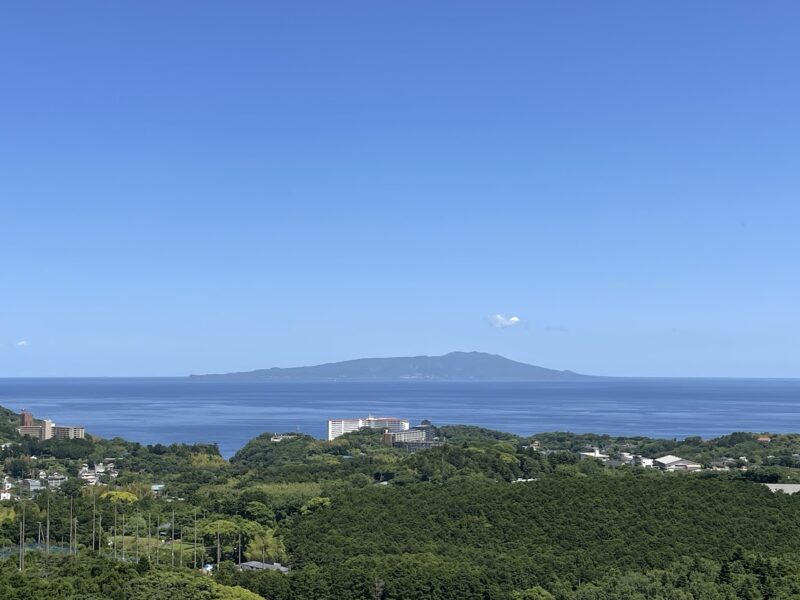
(209, 186)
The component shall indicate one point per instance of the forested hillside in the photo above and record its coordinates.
(467, 536)
(489, 515)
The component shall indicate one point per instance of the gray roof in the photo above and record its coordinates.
(256, 565)
(674, 460)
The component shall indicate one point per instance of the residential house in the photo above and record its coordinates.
(56, 480)
(593, 453)
(31, 486)
(255, 565)
(635, 459)
(676, 463)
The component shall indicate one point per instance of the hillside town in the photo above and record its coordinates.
(27, 478)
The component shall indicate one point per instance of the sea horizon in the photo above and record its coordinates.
(230, 412)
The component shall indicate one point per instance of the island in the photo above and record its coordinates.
(455, 366)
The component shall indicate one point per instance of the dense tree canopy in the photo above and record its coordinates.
(488, 515)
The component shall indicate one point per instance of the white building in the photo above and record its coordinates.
(676, 463)
(337, 427)
(786, 488)
(593, 453)
(636, 459)
(91, 475)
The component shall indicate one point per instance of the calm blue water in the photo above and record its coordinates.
(230, 413)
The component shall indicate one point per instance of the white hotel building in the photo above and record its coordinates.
(337, 427)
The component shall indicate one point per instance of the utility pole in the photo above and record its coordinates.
(219, 554)
(22, 540)
(115, 531)
(240, 548)
(158, 537)
(70, 524)
(137, 533)
(47, 533)
(172, 545)
(94, 515)
(194, 546)
(123, 536)
(148, 535)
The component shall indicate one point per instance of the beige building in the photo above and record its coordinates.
(68, 432)
(46, 429)
(42, 432)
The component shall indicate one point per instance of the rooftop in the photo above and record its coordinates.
(256, 565)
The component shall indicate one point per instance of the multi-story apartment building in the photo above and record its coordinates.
(68, 432)
(417, 438)
(337, 427)
(46, 429)
(43, 431)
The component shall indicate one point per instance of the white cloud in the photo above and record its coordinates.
(501, 321)
(22, 343)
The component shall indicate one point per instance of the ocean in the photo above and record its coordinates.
(229, 413)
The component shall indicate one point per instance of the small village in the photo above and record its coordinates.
(49, 473)
(27, 478)
(613, 456)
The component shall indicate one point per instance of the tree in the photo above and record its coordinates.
(265, 546)
(72, 487)
(143, 566)
(119, 497)
(260, 512)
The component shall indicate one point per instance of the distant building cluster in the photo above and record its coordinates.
(396, 432)
(420, 437)
(91, 474)
(338, 427)
(665, 463)
(44, 481)
(46, 429)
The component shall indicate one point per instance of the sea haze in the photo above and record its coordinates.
(229, 413)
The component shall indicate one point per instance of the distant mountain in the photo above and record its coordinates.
(456, 366)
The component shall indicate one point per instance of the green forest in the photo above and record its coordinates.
(488, 515)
